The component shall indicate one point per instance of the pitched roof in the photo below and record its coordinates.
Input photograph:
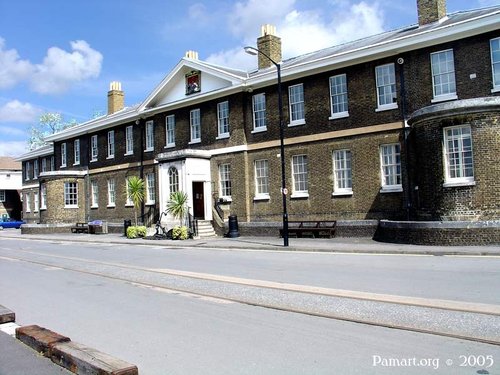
(9, 164)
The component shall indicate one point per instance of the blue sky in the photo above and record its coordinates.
(60, 55)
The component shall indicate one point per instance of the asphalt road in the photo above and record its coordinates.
(163, 331)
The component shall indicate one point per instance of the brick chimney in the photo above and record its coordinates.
(270, 44)
(430, 11)
(193, 55)
(115, 97)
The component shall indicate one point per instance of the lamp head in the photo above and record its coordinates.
(251, 50)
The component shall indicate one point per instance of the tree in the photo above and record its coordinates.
(49, 123)
(136, 192)
(177, 205)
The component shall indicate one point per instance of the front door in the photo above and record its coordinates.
(198, 201)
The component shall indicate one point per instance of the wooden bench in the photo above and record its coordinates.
(315, 228)
(80, 228)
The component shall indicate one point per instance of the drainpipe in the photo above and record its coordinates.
(140, 123)
(406, 130)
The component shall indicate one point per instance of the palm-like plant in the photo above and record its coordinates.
(177, 205)
(136, 192)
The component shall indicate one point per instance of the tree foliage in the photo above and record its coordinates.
(136, 190)
(48, 123)
(177, 205)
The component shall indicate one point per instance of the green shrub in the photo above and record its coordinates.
(134, 232)
(180, 233)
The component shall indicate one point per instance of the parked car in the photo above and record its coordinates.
(11, 223)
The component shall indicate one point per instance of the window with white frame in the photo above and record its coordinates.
(52, 163)
(44, 165)
(342, 172)
(223, 119)
(76, 151)
(495, 63)
(443, 75)
(2, 195)
(111, 144)
(150, 138)
(390, 162)
(129, 140)
(338, 96)
(111, 193)
(170, 131)
(259, 112)
(43, 196)
(93, 147)
(173, 180)
(300, 176)
(94, 194)
(385, 77)
(459, 162)
(36, 202)
(27, 201)
(35, 169)
(27, 170)
(195, 125)
(261, 179)
(70, 195)
(150, 188)
(128, 201)
(225, 181)
(296, 99)
(63, 155)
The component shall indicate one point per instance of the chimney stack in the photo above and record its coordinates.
(270, 44)
(193, 55)
(430, 11)
(115, 97)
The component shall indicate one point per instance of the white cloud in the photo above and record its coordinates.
(59, 70)
(12, 68)
(13, 131)
(301, 31)
(15, 111)
(13, 148)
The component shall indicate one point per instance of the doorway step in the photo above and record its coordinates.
(205, 229)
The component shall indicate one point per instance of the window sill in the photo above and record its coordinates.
(495, 89)
(170, 145)
(128, 154)
(63, 166)
(391, 189)
(459, 183)
(299, 196)
(111, 206)
(129, 205)
(261, 198)
(225, 199)
(150, 203)
(336, 116)
(76, 164)
(94, 206)
(222, 136)
(296, 123)
(259, 130)
(93, 160)
(43, 208)
(149, 150)
(71, 206)
(342, 194)
(444, 98)
(386, 107)
(194, 141)
(110, 157)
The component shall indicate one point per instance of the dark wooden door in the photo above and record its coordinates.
(198, 201)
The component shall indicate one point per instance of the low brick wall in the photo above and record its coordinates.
(345, 228)
(61, 228)
(439, 233)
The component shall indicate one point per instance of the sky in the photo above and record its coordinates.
(59, 56)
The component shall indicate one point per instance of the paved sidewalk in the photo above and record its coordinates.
(339, 244)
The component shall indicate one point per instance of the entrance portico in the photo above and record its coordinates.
(187, 171)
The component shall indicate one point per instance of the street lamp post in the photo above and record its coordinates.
(254, 51)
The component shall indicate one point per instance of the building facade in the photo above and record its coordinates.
(399, 126)
(10, 188)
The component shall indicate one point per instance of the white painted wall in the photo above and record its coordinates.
(11, 180)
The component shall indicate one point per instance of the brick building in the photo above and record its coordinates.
(398, 126)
